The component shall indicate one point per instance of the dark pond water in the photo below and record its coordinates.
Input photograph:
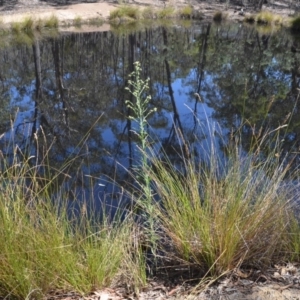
(65, 97)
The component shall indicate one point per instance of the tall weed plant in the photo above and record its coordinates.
(139, 112)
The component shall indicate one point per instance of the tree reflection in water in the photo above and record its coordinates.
(70, 96)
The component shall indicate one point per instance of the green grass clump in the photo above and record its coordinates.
(222, 215)
(219, 16)
(44, 247)
(15, 27)
(125, 11)
(266, 17)
(30, 26)
(277, 20)
(148, 13)
(186, 12)
(39, 25)
(51, 22)
(77, 22)
(29, 29)
(27, 24)
(40, 251)
(166, 13)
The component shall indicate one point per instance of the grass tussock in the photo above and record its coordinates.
(30, 25)
(51, 22)
(77, 22)
(219, 16)
(218, 216)
(264, 17)
(125, 12)
(27, 24)
(149, 13)
(186, 12)
(15, 27)
(129, 14)
(166, 13)
(278, 20)
(268, 18)
(44, 246)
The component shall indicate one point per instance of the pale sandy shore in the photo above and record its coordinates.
(64, 13)
(86, 11)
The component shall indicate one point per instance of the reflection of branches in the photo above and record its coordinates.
(171, 93)
(59, 82)
(201, 74)
(38, 90)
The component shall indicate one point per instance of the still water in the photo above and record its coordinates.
(64, 97)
